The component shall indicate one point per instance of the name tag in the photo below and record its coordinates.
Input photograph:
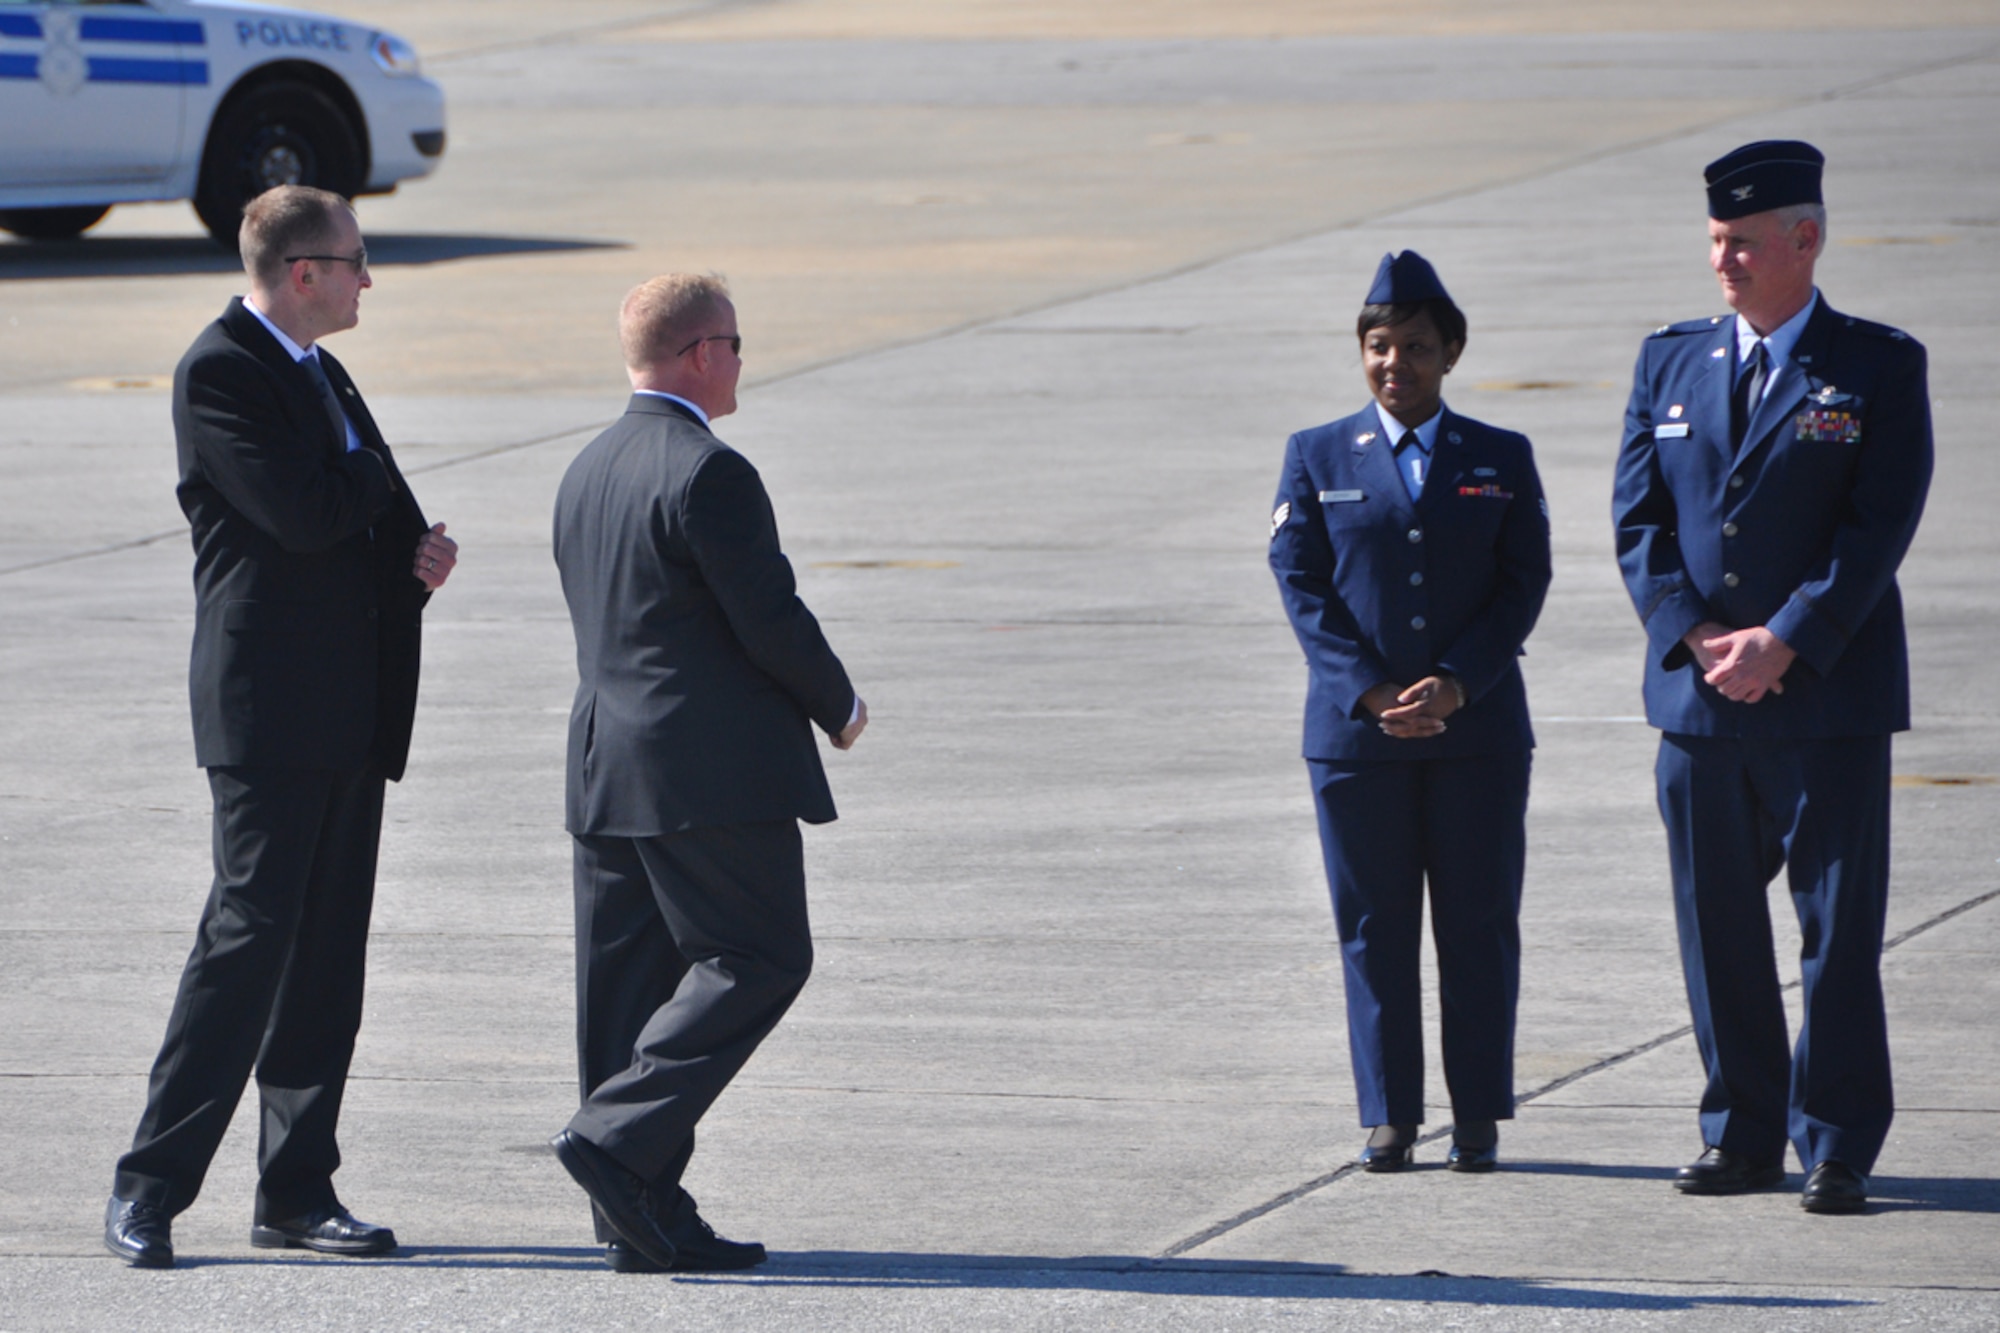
(1341, 497)
(1671, 430)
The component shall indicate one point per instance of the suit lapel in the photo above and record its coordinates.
(250, 334)
(1375, 461)
(1791, 383)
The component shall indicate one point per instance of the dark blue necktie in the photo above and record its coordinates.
(1750, 391)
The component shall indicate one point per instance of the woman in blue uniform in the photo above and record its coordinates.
(1411, 547)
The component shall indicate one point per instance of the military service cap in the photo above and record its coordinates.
(1404, 280)
(1770, 173)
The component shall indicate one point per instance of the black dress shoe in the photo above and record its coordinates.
(697, 1249)
(1834, 1187)
(138, 1233)
(1719, 1171)
(329, 1230)
(1390, 1148)
(619, 1195)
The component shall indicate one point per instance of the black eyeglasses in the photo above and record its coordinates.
(359, 259)
(735, 341)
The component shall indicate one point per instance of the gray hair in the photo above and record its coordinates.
(1791, 215)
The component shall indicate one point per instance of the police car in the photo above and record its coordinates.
(105, 102)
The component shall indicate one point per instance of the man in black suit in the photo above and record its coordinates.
(691, 761)
(312, 567)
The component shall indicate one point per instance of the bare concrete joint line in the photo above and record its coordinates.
(1318, 1183)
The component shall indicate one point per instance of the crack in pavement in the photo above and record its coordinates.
(1317, 1183)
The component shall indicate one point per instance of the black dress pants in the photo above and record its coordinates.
(273, 985)
(689, 948)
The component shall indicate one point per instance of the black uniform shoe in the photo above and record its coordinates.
(329, 1230)
(1719, 1171)
(1834, 1187)
(138, 1233)
(1475, 1146)
(1390, 1148)
(1476, 1160)
(619, 1195)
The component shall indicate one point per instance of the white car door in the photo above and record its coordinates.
(94, 93)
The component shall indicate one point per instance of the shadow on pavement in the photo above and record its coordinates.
(1933, 1194)
(168, 256)
(1214, 1277)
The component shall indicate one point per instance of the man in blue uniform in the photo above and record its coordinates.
(1772, 474)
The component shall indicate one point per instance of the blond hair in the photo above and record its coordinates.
(663, 314)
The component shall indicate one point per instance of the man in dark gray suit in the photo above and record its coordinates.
(691, 761)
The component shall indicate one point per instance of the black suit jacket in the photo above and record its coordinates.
(307, 619)
(700, 672)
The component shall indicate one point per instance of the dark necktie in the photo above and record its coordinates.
(1750, 390)
(1408, 442)
(327, 399)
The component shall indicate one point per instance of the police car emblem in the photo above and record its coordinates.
(1279, 516)
(62, 70)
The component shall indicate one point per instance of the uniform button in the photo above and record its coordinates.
(1730, 580)
(1416, 580)
(1736, 483)
(1416, 534)
(1416, 622)
(1729, 529)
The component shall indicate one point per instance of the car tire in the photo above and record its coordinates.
(52, 224)
(280, 134)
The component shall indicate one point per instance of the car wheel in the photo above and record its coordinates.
(52, 224)
(280, 134)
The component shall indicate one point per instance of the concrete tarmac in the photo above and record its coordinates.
(1073, 1055)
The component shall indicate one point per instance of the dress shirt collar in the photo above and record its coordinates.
(1427, 434)
(292, 349)
(1782, 339)
(699, 415)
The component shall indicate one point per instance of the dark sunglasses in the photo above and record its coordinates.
(735, 341)
(359, 259)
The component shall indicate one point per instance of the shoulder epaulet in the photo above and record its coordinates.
(1870, 327)
(1688, 326)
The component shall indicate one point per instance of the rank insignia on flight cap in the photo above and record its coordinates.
(1758, 177)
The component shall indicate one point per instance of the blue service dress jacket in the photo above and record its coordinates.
(1800, 529)
(1382, 588)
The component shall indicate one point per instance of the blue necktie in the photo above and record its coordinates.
(1750, 391)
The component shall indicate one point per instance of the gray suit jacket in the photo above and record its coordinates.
(700, 672)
